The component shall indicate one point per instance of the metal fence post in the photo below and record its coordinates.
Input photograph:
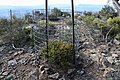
(73, 23)
(46, 6)
(11, 24)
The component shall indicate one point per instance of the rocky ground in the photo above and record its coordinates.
(17, 64)
(97, 60)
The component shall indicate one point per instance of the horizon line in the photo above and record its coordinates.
(52, 4)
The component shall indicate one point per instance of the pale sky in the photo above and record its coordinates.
(41, 2)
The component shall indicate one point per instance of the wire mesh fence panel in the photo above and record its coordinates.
(39, 31)
(59, 33)
(39, 38)
(56, 30)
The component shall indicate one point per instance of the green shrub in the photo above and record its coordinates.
(118, 37)
(68, 21)
(96, 22)
(57, 12)
(66, 14)
(41, 23)
(88, 20)
(60, 54)
(27, 30)
(77, 15)
(53, 17)
(115, 23)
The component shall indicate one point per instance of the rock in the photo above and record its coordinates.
(34, 63)
(43, 67)
(1, 48)
(20, 52)
(80, 72)
(1, 77)
(70, 71)
(63, 78)
(118, 52)
(43, 75)
(54, 76)
(116, 42)
(5, 73)
(105, 55)
(93, 51)
(0, 55)
(9, 77)
(11, 52)
(43, 72)
(110, 59)
(94, 57)
(15, 54)
(34, 72)
(104, 51)
(22, 61)
(113, 75)
(115, 55)
(30, 50)
(12, 63)
(88, 45)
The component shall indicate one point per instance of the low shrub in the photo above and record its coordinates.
(41, 23)
(88, 20)
(27, 30)
(118, 37)
(60, 54)
(53, 17)
(68, 21)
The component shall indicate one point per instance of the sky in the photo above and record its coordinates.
(41, 2)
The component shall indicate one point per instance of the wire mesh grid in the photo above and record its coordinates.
(58, 31)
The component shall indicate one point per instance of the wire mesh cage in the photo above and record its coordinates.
(50, 29)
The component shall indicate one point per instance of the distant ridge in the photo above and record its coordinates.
(4, 10)
(60, 6)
